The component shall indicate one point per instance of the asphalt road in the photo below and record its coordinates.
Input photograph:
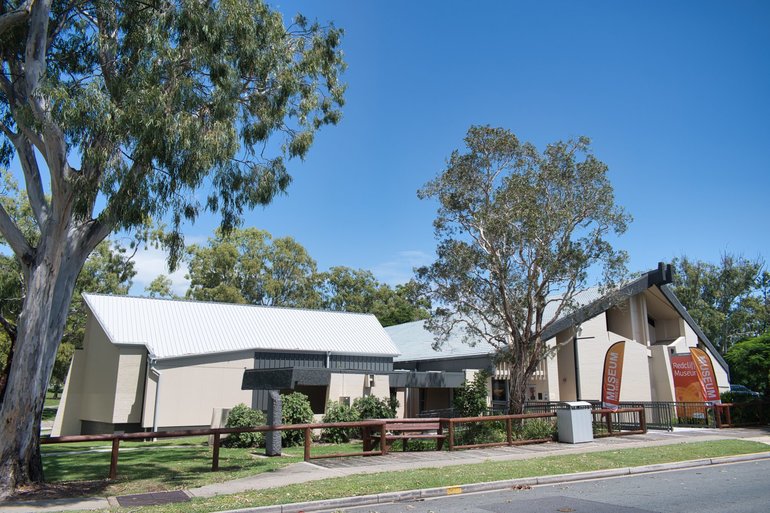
(730, 488)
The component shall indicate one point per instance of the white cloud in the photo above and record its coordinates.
(400, 269)
(151, 262)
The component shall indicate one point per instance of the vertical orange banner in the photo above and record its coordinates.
(686, 387)
(706, 376)
(613, 373)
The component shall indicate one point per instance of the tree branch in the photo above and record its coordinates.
(19, 244)
(16, 16)
(34, 70)
(32, 179)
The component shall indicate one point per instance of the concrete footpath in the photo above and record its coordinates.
(395, 461)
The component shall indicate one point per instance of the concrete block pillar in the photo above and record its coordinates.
(274, 418)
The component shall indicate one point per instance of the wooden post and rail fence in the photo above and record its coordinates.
(383, 431)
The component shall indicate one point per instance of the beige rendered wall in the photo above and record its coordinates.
(552, 372)
(104, 384)
(619, 320)
(101, 358)
(595, 340)
(352, 385)
(129, 391)
(565, 360)
(190, 388)
(67, 420)
(668, 329)
(662, 380)
(635, 385)
(401, 398)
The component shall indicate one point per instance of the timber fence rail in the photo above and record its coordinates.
(217, 434)
(460, 432)
(620, 422)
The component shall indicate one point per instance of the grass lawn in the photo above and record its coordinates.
(50, 401)
(365, 484)
(186, 464)
(165, 465)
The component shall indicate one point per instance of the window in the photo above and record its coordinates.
(500, 390)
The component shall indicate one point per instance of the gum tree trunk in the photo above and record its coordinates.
(517, 391)
(50, 281)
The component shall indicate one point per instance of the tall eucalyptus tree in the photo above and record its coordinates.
(122, 109)
(518, 231)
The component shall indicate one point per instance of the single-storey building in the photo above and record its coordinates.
(645, 313)
(150, 364)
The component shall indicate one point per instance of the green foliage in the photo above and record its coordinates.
(515, 226)
(730, 397)
(750, 363)
(535, 429)
(373, 407)
(338, 412)
(243, 416)
(470, 399)
(487, 432)
(357, 290)
(730, 300)
(160, 287)
(295, 410)
(189, 89)
(249, 266)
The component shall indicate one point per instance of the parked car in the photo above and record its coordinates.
(742, 390)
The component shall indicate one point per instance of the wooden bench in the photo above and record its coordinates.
(405, 431)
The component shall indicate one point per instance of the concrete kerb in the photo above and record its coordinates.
(410, 495)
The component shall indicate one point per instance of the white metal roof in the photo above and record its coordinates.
(174, 328)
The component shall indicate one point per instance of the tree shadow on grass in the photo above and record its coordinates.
(148, 469)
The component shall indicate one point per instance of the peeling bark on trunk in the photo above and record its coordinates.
(517, 392)
(7, 368)
(50, 285)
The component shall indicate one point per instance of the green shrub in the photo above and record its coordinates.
(296, 410)
(535, 429)
(730, 397)
(243, 416)
(470, 399)
(472, 433)
(338, 412)
(372, 407)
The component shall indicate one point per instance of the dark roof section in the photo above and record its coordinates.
(660, 276)
(666, 290)
(287, 378)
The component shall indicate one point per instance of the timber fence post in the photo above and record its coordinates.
(114, 458)
(215, 456)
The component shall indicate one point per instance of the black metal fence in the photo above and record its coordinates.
(659, 414)
(664, 415)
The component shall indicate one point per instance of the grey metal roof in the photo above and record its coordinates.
(174, 328)
(415, 342)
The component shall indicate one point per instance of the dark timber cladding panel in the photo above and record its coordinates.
(282, 360)
(364, 363)
(274, 360)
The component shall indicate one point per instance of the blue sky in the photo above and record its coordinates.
(674, 95)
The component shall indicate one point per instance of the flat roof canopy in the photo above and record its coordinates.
(289, 377)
